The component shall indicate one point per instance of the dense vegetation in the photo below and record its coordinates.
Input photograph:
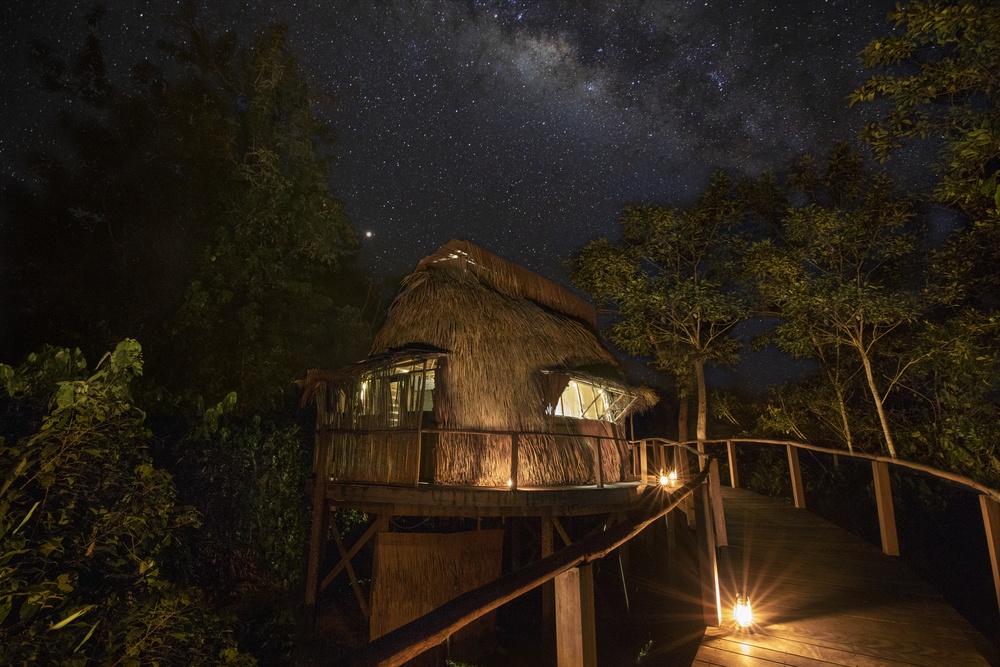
(152, 506)
(902, 331)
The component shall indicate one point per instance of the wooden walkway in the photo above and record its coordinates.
(822, 596)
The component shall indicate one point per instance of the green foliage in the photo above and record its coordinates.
(938, 72)
(86, 522)
(839, 272)
(667, 283)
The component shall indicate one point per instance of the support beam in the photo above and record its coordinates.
(320, 520)
(718, 512)
(378, 524)
(362, 602)
(886, 513)
(548, 588)
(798, 491)
(576, 637)
(598, 463)
(734, 476)
(562, 532)
(991, 521)
(708, 566)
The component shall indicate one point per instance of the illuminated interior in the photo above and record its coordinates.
(587, 400)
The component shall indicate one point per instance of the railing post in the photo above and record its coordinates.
(718, 512)
(798, 491)
(886, 513)
(598, 463)
(734, 477)
(708, 566)
(576, 637)
(991, 521)
(643, 463)
(514, 443)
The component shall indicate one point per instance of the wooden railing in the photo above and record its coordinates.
(570, 569)
(321, 454)
(989, 498)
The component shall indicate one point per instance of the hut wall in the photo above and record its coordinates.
(414, 573)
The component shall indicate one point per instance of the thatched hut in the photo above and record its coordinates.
(478, 357)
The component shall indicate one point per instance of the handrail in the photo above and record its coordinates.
(904, 463)
(989, 498)
(412, 639)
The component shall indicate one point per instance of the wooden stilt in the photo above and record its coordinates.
(548, 588)
(798, 491)
(991, 521)
(576, 638)
(708, 566)
(886, 513)
(320, 521)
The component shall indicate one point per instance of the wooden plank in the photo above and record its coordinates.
(576, 636)
(886, 513)
(562, 533)
(823, 596)
(362, 602)
(798, 491)
(991, 522)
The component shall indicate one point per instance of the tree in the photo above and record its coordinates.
(666, 282)
(838, 272)
(188, 205)
(938, 71)
(87, 524)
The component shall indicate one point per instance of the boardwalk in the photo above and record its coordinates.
(822, 596)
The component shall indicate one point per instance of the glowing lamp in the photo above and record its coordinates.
(742, 612)
(668, 479)
(664, 479)
(510, 483)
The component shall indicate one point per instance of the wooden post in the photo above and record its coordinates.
(708, 566)
(598, 463)
(798, 491)
(514, 443)
(420, 421)
(576, 638)
(718, 513)
(548, 588)
(886, 513)
(320, 517)
(643, 463)
(734, 477)
(991, 521)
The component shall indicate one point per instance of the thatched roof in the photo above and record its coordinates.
(502, 325)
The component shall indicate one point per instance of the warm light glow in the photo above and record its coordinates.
(510, 483)
(668, 479)
(742, 612)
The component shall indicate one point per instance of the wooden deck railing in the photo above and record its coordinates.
(989, 498)
(570, 568)
(321, 455)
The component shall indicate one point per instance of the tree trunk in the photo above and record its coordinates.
(870, 375)
(843, 416)
(683, 408)
(702, 427)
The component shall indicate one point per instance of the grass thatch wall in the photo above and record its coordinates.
(414, 573)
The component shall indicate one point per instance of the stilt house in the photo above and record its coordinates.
(484, 374)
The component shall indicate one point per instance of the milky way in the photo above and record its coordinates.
(523, 126)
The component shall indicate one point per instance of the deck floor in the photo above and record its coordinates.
(822, 596)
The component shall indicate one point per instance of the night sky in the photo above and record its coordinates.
(525, 126)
